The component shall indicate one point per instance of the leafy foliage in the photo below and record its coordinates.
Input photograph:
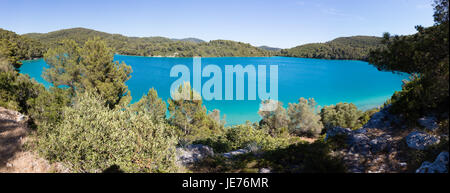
(426, 56)
(152, 105)
(16, 89)
(19, 47)
(189, 115)
(344, 115)
(305, 158)
(92, 138)
(277, 121)
(89, 67)
(48, 106)
(246, 136)
(304, 119)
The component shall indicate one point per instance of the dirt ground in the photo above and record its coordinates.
(13, 157)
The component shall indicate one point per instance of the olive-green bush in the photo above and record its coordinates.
(276, 121)
(190, 117)
(49, 105)
(246, 136)
(16, 89)
(413, 101)
(303, 118)
(344, 115)
(92, 138)
(152, 105)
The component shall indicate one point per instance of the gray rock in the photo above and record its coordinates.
(193, 153)
(380, 143)
(360, 131)
(235, 153)
(420, 140)
(264, 170)
(383, 119)
(440, 165)
(359, 143)
(379, 120)
(428, 123)
(337, 131)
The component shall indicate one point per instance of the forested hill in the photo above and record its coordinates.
(17, 47)
(354, 48)
(33, 45)
(153, 46)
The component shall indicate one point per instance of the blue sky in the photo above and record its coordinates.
(278, 23)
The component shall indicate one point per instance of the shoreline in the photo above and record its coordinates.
(221, 57)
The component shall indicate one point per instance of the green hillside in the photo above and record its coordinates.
(153, 46)
(355, 48)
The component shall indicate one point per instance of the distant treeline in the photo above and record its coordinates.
(353, 48)
(152, 46)
(34, 45)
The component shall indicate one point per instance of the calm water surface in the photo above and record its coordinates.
(327, 81)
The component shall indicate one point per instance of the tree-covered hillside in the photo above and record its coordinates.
(354, 48)
(152, 46)
(16, 47)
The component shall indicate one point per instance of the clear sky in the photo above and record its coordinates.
(277, 23)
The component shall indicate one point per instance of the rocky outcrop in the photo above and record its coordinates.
(360, 141)
(420, 140)
(440, 165)
(429, 123)
(382, 145)
(384, 120)
(337, 131)
(193, 153)
(372, 148)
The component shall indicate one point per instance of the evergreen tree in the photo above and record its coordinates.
(425, 54)
(89, 67)
(190, 116)
(151, 104)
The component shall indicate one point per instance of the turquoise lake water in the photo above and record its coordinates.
(327, 81)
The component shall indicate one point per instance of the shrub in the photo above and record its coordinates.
(16, 89)
(276, 121)
(92, 138)
(305, 158)
(190, 116)
(344, 115)
(413, 101)
(152, 105)
(246, 136)
(304, 119)
(49, 105)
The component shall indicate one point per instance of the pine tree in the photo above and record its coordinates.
(89, 67)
